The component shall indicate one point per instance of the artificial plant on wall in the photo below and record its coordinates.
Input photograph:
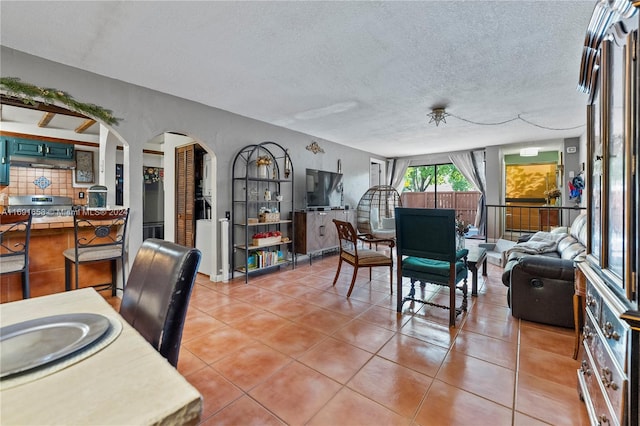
(32, 94)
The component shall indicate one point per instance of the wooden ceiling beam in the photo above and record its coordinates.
(39, 106)
(85, 125)
(46, 118)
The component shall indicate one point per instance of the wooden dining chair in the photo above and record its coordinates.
(15, 233)
(157, 294)
(360, 257)
(426, 253)
(99, 236)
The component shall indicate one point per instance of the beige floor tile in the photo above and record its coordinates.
(291, 348)
(353, 409)
(295, 393)
(336, 359)
(479, 377)
(452, 406)
(391, 385)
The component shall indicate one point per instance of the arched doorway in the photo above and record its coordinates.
(189, 211)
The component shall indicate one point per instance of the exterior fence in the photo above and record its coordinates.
(464, 203)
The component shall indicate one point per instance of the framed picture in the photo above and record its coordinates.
(84, 167)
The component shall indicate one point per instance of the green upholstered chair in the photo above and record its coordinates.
(426, 251)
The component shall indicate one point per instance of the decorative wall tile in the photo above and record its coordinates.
(42, 182)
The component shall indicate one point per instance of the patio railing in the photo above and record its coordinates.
(510, 221)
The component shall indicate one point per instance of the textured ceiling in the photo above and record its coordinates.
(363, 74)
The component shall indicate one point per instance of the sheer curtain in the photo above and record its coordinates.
(396, 169)
(471, 165)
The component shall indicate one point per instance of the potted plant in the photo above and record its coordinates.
(263, 162)
(461, 229)
(551, 195)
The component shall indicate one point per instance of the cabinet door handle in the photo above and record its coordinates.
(587, 333)
(322, 230)
(609, 332)
(607, 379)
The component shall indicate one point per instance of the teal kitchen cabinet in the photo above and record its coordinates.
(38, 148)
(4, 161)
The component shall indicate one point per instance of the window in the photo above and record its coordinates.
(440, 186)
(435, 178)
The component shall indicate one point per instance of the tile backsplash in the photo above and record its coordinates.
(29, 181)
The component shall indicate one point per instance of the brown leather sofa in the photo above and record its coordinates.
(540, 274)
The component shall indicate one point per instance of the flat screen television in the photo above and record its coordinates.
(324, 189)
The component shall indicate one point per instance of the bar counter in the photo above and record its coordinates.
(52, 222)
(50, 236)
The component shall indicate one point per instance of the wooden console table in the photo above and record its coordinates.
(549, 217)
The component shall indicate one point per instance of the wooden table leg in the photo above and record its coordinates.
(474, 278)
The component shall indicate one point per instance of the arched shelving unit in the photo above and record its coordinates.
(262, 209)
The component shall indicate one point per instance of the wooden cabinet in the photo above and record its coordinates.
(315, 230)
(185, 196)
(549, 218)
(4, 162)
(609, 375)
(262, 207)
(605, 371)
(39, 148)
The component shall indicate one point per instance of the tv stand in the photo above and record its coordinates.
(315, 231)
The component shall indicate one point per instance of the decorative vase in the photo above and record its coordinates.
(459, 242)
(262, 171)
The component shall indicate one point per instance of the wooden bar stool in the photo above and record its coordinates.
(15, 232)
(99, 236)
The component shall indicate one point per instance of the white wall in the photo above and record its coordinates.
(146, 113)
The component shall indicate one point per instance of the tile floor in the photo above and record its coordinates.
(288, 348)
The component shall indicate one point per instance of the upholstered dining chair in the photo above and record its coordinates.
(157, 294)
(360, 257)
(426, 252)
(99, 236)
(15, 232)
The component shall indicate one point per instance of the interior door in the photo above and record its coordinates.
(376, 172)
(185, 195)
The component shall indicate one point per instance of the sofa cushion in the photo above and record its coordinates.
(566, 242)
(574, 251)
(579, 229)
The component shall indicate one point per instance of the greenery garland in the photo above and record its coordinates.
(32, 94)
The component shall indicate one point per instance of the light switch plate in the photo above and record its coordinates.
(571, 150)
